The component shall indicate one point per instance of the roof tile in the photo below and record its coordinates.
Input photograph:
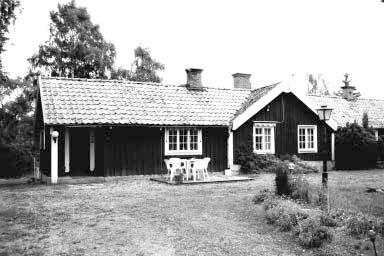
(90, 101)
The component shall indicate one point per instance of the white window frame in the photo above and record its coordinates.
(376, 135)
(307, 149)
(264, 126)
(178, 151)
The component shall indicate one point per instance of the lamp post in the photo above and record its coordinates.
(324, 115)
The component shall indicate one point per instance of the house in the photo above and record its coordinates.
(111, 127)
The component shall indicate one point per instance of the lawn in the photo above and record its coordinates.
(136, 216)
(347, 190)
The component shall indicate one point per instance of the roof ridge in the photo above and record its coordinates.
(263, 87)
(138, 83)
(100, 80)
(340, 97)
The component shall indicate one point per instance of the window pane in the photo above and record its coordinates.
(267, 138)
(193, 139)
(183, 136)
(310, 138)
(301, 138)
(258, 138)
(172, 139)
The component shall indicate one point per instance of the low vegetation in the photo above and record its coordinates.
(341, 231)
(268, 163)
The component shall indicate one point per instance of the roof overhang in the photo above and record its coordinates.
(268, 98)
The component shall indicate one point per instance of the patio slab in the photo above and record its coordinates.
(211, 179)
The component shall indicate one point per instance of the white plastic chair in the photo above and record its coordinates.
(174, 165)
(207, 160)
(167, 164)
(200, 166)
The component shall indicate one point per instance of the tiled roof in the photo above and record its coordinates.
(349, 111)
(254, 96)
(91, 101)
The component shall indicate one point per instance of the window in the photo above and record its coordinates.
(264, 138)
(307, 138)
(183, 141)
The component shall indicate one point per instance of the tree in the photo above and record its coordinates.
(356, 147)
(317, 84)
(7, 16)
(16, 129)
(76, 47)
(144, 68)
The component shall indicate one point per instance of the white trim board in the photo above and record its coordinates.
(268, 98)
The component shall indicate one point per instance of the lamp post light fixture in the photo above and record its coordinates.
(324, 115)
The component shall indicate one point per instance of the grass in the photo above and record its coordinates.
(135, 216)
(138, 217)
(347, 190)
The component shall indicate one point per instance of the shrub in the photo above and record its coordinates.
(270, 203)
(358, 224)
(262, 196)
(339, 215)
(356, 147)
(285, 214)
(302, 167)
(273, 213)
(14, 162)
(327, 220)
(282, 182)
(299, 189)
(312, 234)
(254, 163)
(380, 149)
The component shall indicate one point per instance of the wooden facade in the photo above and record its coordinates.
(287, 112)
(127, 150)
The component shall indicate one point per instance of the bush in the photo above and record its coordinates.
(380, 148)
(299, 189)
(262, 196)
(327, 220)
(358, 224)
(285, 214)
(254, 163)
(282, 182)
(14, 162)
(270, 203)
(312, 234)
(356, 147)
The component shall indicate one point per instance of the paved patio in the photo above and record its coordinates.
(213, 178)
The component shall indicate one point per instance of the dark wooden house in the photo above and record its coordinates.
(111, 127)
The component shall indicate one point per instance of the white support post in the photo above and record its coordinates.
(54, 155)
(333, 146)
(92, 149)
(230, 148)
(66, 150)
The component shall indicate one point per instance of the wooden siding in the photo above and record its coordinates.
(124, 151)
(132, 151)
(287, 111)
(140, 150)
(381, 131)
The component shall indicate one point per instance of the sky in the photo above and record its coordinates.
(269, 39)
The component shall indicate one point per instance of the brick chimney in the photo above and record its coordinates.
(348, 92)
(194, 78)
(241, 80)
